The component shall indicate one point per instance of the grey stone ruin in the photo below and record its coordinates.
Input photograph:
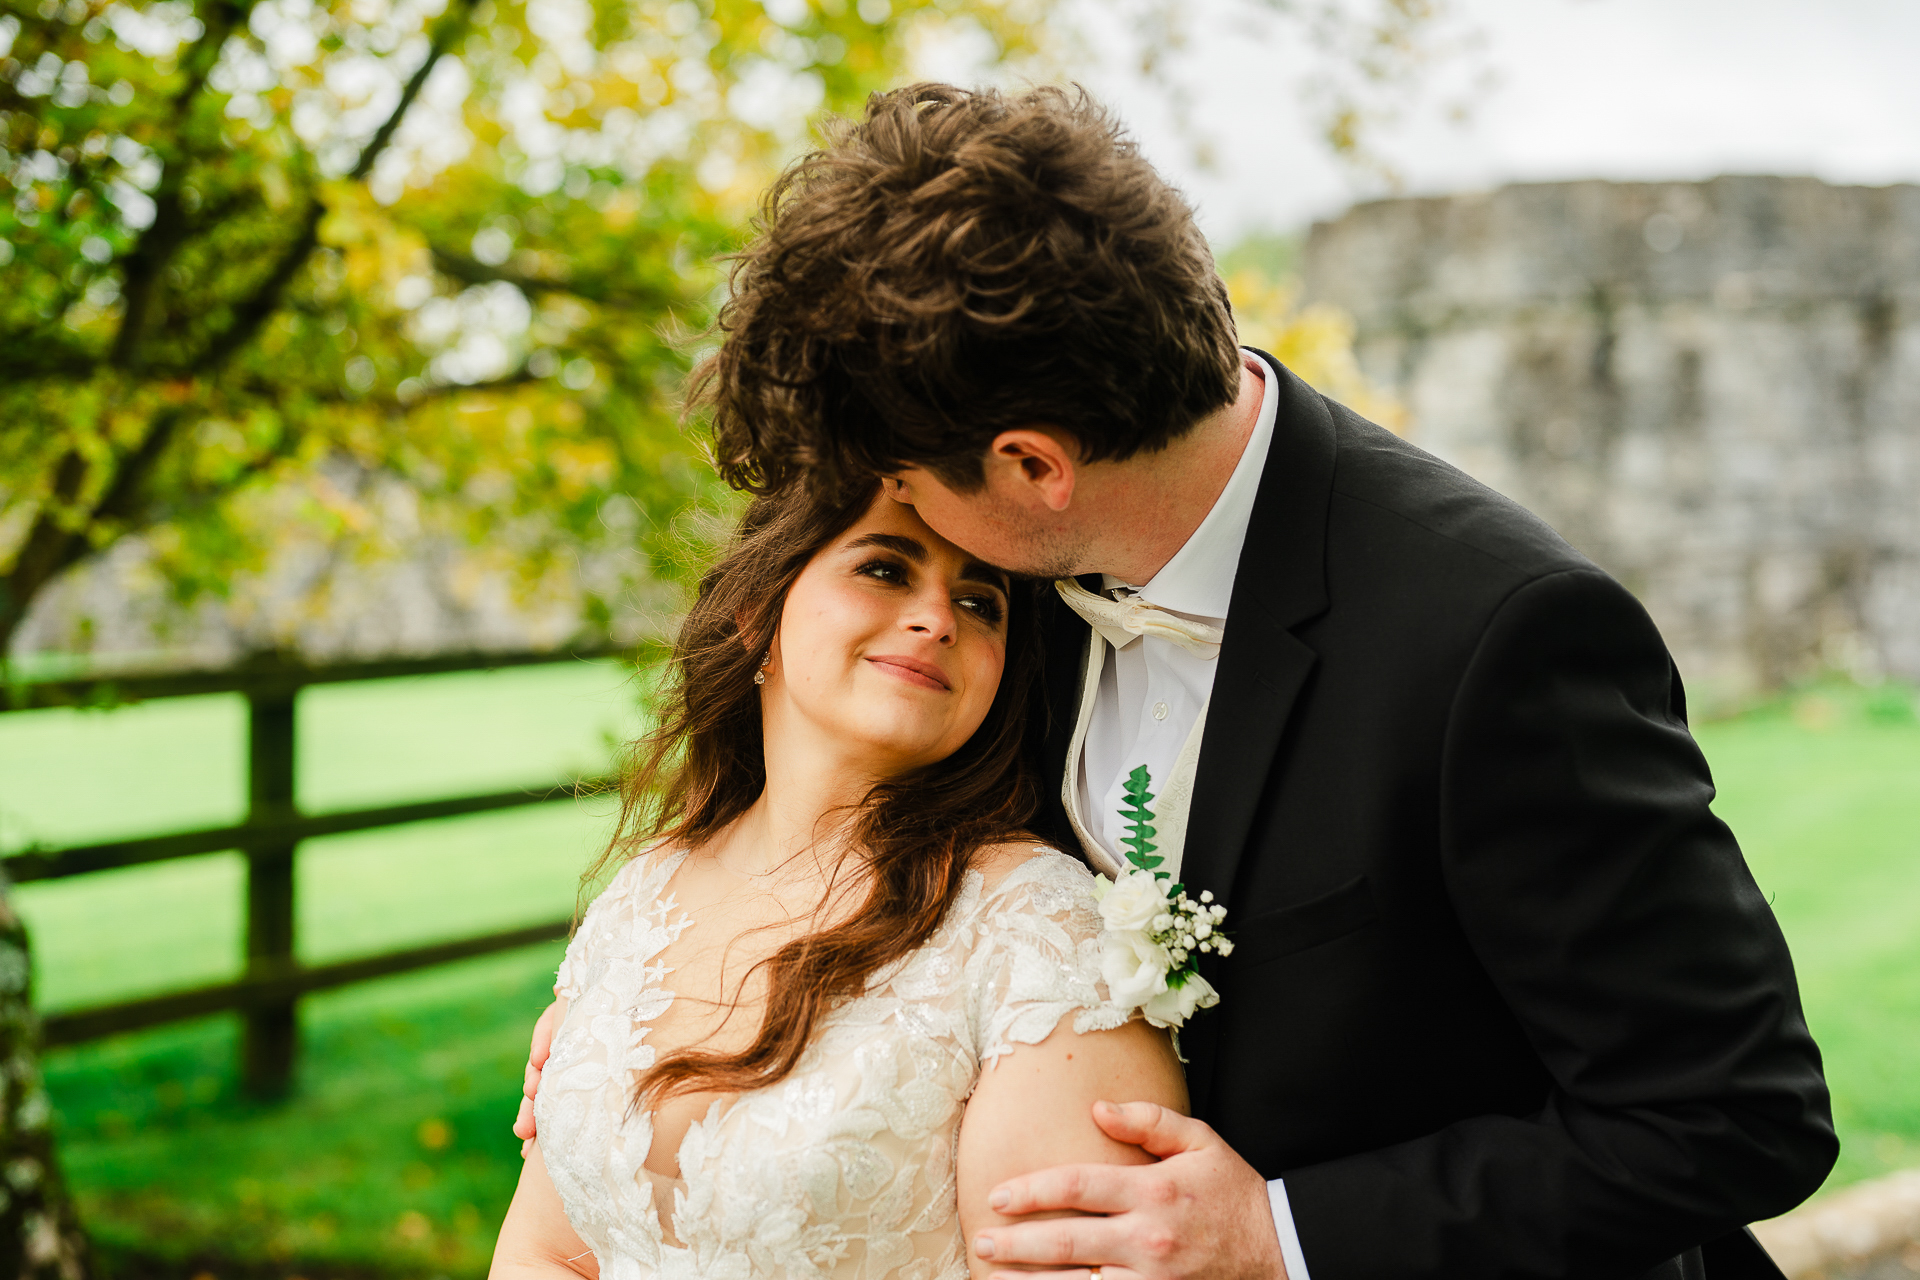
(1712, 389)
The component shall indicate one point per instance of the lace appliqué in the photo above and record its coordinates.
(846, 1168)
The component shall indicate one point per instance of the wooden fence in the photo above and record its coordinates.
(269, 989)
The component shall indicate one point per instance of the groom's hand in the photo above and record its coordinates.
(537, 1052)
(1200, 1211)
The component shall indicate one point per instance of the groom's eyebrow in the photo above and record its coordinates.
(914, 550)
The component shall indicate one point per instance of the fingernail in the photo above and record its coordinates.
(998, 1200)
(1106, 1108)
(983, 1246)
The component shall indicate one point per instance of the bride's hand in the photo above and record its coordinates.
(1200, 1210)
(524, 1127)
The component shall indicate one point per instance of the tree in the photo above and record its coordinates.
(273, 263)
(259, 250)
(264, 253)
(40, 1236)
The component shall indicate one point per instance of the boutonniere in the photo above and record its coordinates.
(1155, 935)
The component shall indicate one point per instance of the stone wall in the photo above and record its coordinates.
(1713, 389)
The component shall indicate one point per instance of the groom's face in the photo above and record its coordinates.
(1003, 521)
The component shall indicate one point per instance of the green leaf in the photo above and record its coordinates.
(1137, 810)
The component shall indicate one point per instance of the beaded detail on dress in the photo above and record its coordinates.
(845, 1169)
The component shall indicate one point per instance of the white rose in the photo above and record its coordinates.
(1134, 966)
(1133, 901)
(1172, 1006)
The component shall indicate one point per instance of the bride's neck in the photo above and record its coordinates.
(810, 790)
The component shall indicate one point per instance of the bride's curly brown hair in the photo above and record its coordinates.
(704, 765)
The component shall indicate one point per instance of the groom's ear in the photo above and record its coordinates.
(1035, 463)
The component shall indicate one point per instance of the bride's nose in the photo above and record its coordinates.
(931, 614)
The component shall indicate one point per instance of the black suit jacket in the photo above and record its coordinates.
(1504, 999)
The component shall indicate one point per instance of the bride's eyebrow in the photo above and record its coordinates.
(911, 548)
(985, 574)
(914, 550)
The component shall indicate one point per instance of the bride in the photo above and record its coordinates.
(834, 993)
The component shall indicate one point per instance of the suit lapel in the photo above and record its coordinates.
(1280, 583)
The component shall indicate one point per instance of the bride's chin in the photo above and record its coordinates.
(897, 746)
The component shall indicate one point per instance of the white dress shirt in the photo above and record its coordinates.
(1153, 692)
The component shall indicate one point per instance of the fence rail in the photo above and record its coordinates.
(265, 675)
(267, 990)
(268, 993)
(78, 860)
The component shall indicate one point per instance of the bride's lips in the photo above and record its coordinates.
(913, 671)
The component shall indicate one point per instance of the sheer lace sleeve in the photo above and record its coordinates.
(612, 918)
(1038, 957)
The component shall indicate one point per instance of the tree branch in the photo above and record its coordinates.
(142, 267)
(472, 271)
(47, 548)
(251, 314)
(37, 354)
(122, 496)
(53, 543)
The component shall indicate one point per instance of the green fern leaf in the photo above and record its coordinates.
(1137, 811)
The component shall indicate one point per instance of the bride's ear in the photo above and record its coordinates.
(742, 622)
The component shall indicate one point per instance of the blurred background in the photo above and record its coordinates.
(343, 502)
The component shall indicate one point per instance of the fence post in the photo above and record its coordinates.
(270, 1037)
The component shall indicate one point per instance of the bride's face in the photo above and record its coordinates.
(890, 646)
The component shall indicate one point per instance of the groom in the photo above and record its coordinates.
(1504, 999)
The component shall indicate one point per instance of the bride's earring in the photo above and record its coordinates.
(760, 676)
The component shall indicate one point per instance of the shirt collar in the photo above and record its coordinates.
(1198, 581)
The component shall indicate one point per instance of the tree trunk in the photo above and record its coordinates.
(40, 1234)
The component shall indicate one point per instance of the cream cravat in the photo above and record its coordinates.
(1119, 621)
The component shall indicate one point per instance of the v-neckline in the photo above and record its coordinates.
(658, 911)
(661, 907)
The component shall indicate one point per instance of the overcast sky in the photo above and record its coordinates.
(1586, 88)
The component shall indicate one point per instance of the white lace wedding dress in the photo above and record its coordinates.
(845, 1169)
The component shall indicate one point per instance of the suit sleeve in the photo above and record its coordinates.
(1619, 922)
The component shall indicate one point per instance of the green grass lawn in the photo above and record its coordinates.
(395, 1154)
(1823, 790)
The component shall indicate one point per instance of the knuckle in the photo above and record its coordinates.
(1161, 1190)
(1156, 1243)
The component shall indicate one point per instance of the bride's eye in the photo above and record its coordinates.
(986, 606)
(888, 571)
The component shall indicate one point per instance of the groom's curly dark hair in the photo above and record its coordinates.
(954, 264)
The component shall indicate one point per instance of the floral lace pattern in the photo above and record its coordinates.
(845, 1169)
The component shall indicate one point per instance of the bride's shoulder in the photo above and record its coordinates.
(640, 879)
(1020, 866)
